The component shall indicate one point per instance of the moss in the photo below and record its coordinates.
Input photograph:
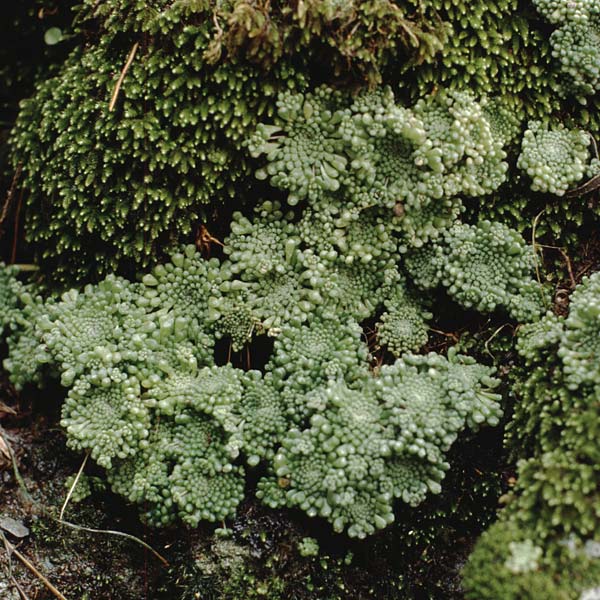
(111, 188)
(345, 37)
(562, 573)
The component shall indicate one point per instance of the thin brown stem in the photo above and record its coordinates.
(117, 89)
(127, 536)
(535, 246)
(452, 336)
(11, 193)
(11, 576)
(73, 485)
(10, 548)
(13, 254)
(569, 268)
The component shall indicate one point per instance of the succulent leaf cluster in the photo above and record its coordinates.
(156, 124)
(173, 430)
(370, 152)
(281, 270)
(485, 266)
(10, 288)
(28, 361)
(575, 43)
(554, 159)
(370, 183)
(580, 346)
(368, 444)
(403, 329)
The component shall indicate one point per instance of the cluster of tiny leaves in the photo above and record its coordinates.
(485, 266)
(118, 167)
(494, 48)
(575, 43)
(554, 159)
(173, 430)
(558, 483)
(554, 431)
(508, 564)
(346, 155)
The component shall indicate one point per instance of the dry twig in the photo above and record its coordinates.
(10, 569)
(74, 484)
(18, 478)
(10, 549)
(204, 241)
(127, 536)
(6, 410)
(13, 255)
(115, 95)
(450, 335)
(487, 342)
(10, 194)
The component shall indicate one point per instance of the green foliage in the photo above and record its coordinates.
(504, 123)
(304, 270)
(311, 147)
(10, 288)
(185, 468)
(82, 486)
(263, 418)
(559, 11)
(28, 361)
(494, 49)
(19, 312)
(142, 136)
(85, 331)
(306, 357)
(347, 155)
(575, 43)
(403, 329)
(180, 292)
(554, 431)
(558, 412)
(82, 489)
(485, 266)
(524, 557)
(402, 326)
(508, 564)
(109, 420)
(405, 419)
(308, 547)
(536, 338)
(580, 347)
(360, 37)
(171, 428)
(270, 240)
(110, 188)
(554, 159)
(576, 46)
